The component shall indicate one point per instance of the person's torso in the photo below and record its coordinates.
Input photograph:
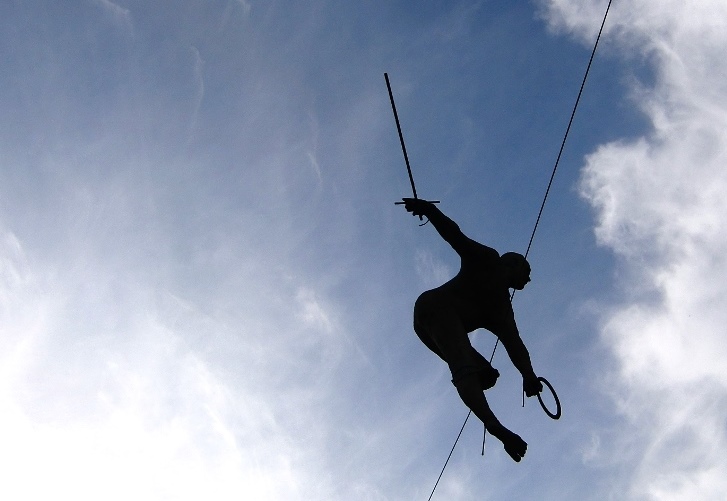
(479, 292)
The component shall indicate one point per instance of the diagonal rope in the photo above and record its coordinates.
(570, 122)
(537, 221)
(450, 455)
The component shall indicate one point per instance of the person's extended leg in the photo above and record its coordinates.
(470, 391)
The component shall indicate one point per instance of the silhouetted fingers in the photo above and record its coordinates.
(532, 387)
(533, 391)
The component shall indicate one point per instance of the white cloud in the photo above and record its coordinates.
(431, 271)
(198, 82)
(660, 205)
(122, 405)
(245, 6)
(312, 312)
(120, 15)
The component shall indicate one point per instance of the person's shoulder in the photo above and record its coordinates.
(486, 252)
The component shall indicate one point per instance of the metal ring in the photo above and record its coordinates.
(552, 415)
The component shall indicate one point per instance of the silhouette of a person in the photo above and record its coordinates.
(477, 297)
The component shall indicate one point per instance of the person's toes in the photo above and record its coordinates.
(515, 447)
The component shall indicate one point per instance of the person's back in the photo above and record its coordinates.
(479, 290)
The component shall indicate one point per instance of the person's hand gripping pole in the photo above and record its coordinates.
(403, 147)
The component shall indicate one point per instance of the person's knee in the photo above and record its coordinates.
(484, 377)
(488, 377)
(464, 375)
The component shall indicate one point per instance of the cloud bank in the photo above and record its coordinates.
(659, 202)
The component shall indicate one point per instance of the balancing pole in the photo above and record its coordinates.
(403, 146)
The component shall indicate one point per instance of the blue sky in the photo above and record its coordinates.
(206, 289)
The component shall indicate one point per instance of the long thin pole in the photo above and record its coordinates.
(401, 136)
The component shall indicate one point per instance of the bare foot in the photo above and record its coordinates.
(514, 445)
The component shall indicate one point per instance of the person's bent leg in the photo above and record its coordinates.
(470, 391)
(447, 337)
(487, 373)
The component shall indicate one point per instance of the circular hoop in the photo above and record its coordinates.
(552, 415)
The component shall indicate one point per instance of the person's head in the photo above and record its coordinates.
(517, 270)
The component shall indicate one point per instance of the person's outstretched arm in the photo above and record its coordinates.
(447, 229)
(518, 353)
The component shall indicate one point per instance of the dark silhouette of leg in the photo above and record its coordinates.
(470, 392)
(441, 330)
